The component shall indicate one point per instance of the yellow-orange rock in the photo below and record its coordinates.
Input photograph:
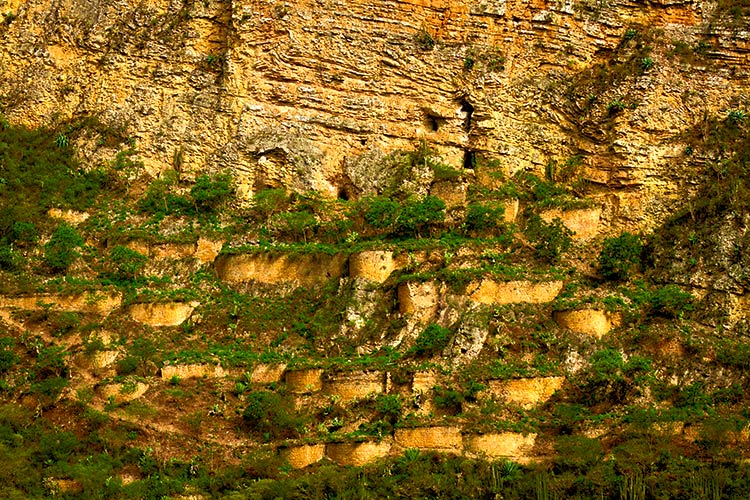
(300, 457)
(358, 454)
(418, 299)
(267, 373)
(512, 445)
(207, 250)
(88, 302)
(70, 216)
(348, 386)
(198, 370)
(162, 313)
(526, 392)
(124, 392)
(304, 381)
(294, 269)
(166, 251)
(592, 322)
(511, 209)
(372, 265)
(453, 194)
(446, 439)
(513, 292)
(423, 381)
(103, 359)
(583, 222)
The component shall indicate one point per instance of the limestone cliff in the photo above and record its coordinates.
(308, 95)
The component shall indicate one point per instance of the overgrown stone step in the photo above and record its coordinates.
(197, 370)
(124, 392)
(162, 313)
(204, 250)
(277, 269)
(349, 386)
(583, 222)
(594, 322)
(512, 445)
(102, 303)
(527, 392)
(513, 292)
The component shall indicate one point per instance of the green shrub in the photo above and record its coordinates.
(269, 202)
(62, 248)
(272, 415)
(380, 212)
(24, 233)
(419, 214)
(294, 226)
(432, 340)
(484, 218)
(550, 240)
(159, 199)
(210, 193)
(10, 259)
(619, 256)
(670, 301)
(124, 264)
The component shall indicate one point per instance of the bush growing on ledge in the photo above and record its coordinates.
(619, 256)
(62, 248)
(124, 264)
(432, 340)
(550, 240)
(419, 214)
(210, 193)
(272, 415)
(484, 218)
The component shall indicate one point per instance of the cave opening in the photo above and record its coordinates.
(470, 159)
(468, 109)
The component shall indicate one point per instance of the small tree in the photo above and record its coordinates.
(550, 239)
(62, 249)
(209, 193)
(619, 256)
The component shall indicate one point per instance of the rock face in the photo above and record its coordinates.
(445, 439)
(162, 314)
(349, 386)
(97, 303)
(300, 457)
(526, 392)
(311, 96)
(513, 292)
(512, 445)
(358, 454)
(299, 270)
(588, 321)
(304, 381)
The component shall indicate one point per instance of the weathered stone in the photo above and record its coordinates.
(304, 381)
(511, 209)
(348, 386)
(453, 194)
(583, 222)
(526, 392)
(267, 373)
(199, 370)
(124, 392)
(512, 445)
(419, 300)
(300, 457)
(299, 270)
(162, 313)
(69, 216)
(592, 322)
(103, 359)
(423, 381)
(513, 292)
(207, 250)
(88, 302)
(373, 265)
(446, 439)
(358, 454)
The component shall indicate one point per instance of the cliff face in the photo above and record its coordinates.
(311, 95)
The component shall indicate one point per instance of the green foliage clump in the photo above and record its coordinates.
(62, 248)
(619, 256)
(124, 264)
(380, 212)
(210, 193)
(550, 239)
(269, 202)
(420, 214)
(432, 340)
(485, 218)
(294, 226)
(36, 175)
(272, 415)
(670, 301)
(424, 40)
